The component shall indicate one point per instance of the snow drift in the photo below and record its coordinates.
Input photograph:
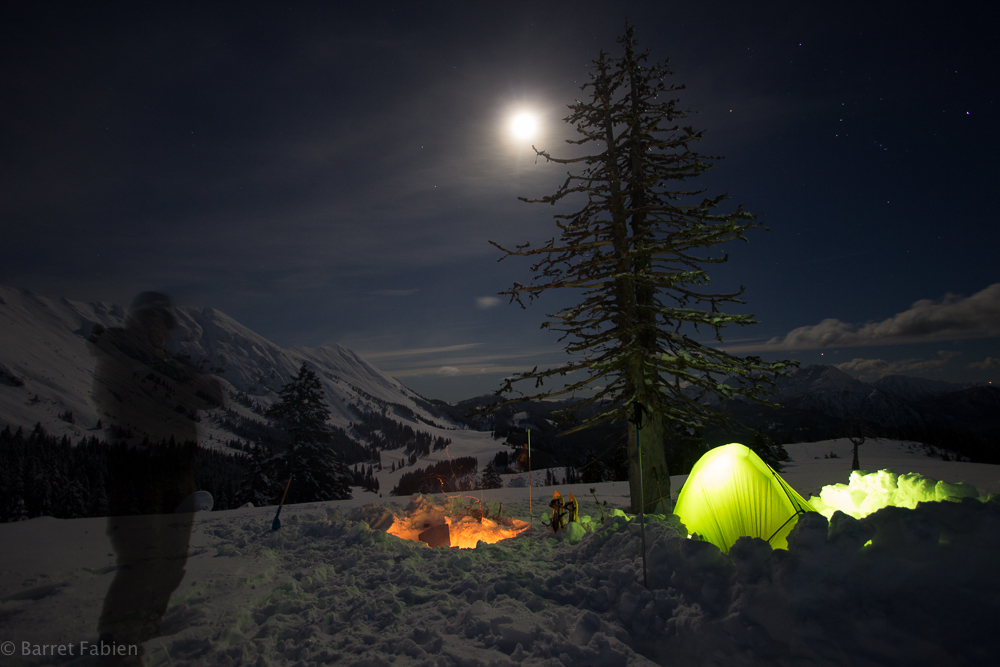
(924, 591)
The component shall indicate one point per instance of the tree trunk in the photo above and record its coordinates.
(655, 491)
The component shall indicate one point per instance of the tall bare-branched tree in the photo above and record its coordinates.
(636, 253)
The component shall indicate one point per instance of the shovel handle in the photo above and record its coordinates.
(276, 524)
(286, 492)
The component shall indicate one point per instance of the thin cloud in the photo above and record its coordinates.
(394, 292)
(418, 351)
(487, 302)
(463, 366)
(712, 341)
(873, 369)
(461, 369)
(499, 362)
(953, 318)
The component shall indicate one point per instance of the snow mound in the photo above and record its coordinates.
(868, 492)
(924, 590)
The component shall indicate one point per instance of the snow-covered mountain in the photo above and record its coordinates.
(915, 389)
(47, 369)
(822, 401)
(46, 372)
(832, 392)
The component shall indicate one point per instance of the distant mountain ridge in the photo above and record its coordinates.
(915, 389)
(46, 374)
(820, 401)
(46, 368)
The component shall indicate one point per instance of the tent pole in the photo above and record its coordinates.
(642, 498)
(529, 476)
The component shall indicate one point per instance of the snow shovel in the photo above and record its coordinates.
(276, 524)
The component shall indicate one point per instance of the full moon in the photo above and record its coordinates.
(523, 126)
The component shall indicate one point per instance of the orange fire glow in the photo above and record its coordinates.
(466, 531)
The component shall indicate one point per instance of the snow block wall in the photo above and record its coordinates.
(868, 492)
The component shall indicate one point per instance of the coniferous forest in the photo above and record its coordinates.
(383, 432)
(442, 477)
(41, 475)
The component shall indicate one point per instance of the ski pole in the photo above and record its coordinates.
(530, 510)
(642, 499)
(276, 524)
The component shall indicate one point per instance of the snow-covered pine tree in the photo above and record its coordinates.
(17, 510)
(261, 486)
(319, 471)
(72, 499)
(637, 254)
(491, 478)
(302, 411)
(772, 453)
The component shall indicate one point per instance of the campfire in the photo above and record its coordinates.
(460, 523)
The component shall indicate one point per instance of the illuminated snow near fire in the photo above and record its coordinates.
(466, 524)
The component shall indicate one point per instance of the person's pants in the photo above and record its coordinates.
(152, 552)
(151, 548)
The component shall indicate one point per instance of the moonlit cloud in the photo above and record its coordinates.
(487, 302)
(987, 364)
(450, 361)
(873, 369)
(419, 351)
(953, 318)
(491, 369)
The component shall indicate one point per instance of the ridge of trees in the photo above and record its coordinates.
(441, 477)
(384, 432)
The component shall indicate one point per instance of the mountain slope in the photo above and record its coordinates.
(47, 369)
(915, 389)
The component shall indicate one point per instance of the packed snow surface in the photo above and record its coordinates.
(327, 588)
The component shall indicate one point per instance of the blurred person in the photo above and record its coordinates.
(149, 401)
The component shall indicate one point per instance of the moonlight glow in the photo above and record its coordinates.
(524, 125)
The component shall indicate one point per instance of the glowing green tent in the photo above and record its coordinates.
(732, 493)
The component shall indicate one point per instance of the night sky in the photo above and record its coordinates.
(332, 172)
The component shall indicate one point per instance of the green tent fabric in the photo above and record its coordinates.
(732, 493)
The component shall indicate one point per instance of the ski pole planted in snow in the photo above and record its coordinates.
(642, 498)
(529, 476)
(276, 524)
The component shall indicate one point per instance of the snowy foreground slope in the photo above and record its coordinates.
(327, 589)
